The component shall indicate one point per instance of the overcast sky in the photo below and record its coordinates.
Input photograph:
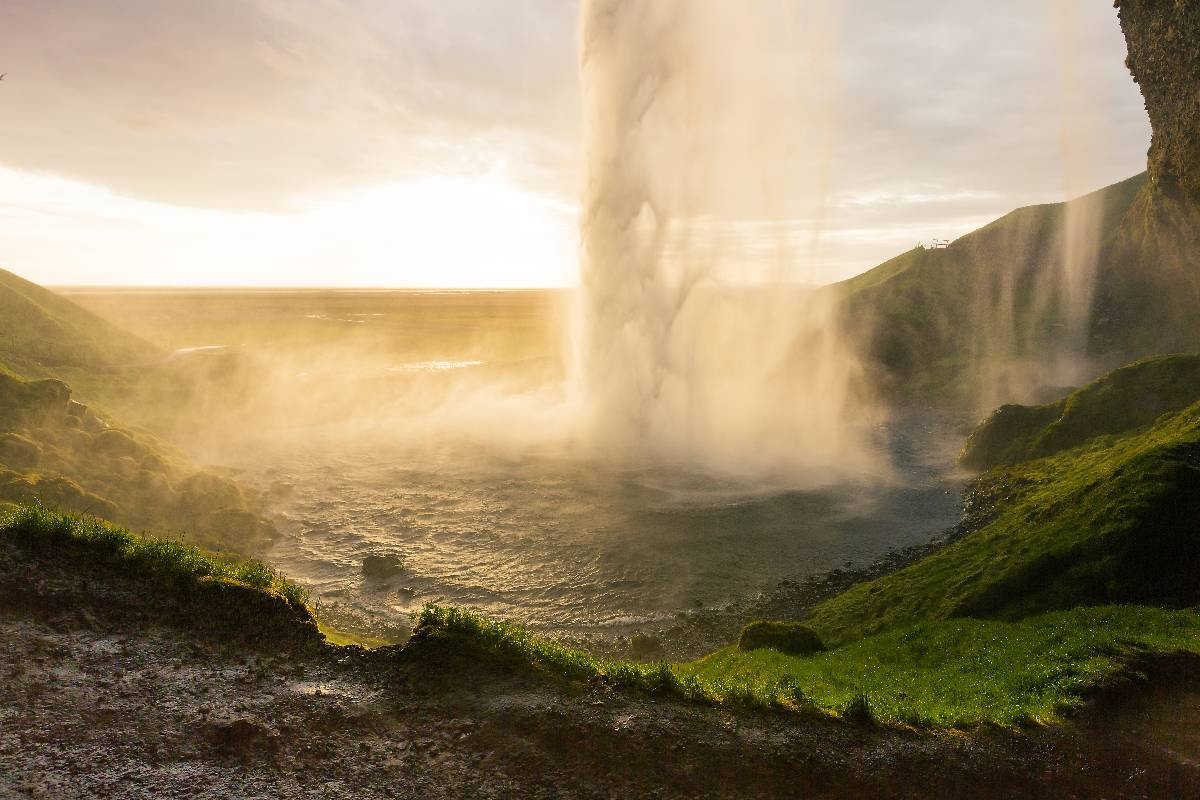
(437, 142)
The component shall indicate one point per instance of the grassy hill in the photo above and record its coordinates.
(1129, 398)
(72, 456)
(61, 453)
(43, 334)
(980, 319)
(1112, 518)
(983, 321)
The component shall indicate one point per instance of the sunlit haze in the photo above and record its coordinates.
(252, 142)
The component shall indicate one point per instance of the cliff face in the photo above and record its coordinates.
(1163, 37)
(978, 323)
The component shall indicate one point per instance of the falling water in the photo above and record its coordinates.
(698, 346)
(1081, 224)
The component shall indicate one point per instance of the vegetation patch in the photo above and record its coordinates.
(952, 673)
(1124, 400)
(58, 452)
(514, 644)
(1113, 521)
(791, 638)
(167, 563)
(961, 673)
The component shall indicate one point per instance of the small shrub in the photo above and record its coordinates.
(859, 709)
(792, 638)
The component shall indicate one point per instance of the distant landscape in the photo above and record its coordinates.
(929, 531)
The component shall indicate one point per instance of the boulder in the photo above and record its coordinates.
(791, 638)
(382, 566)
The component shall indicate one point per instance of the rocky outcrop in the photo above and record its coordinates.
(1163, 37)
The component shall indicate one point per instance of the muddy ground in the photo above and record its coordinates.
(100, 698)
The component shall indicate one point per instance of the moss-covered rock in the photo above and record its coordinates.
(382, 566)
(117, 443)
(19, 451)
(791, 638)
(1126, 399)
(63, 454)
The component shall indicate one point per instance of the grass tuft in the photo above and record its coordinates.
(166, 561)
(793, 638)
(953, 673)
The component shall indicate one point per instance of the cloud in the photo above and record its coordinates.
(249, 104)
(264, 105)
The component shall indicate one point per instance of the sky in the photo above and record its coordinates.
(421, 143)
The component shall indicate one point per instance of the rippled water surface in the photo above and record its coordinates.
(568, 545)
(555, 541)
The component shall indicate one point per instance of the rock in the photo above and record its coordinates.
(115, 443)
(1165, 61)
(242, 735)
(382, 566)
(245, 528)
(644, 647)
(791, 638)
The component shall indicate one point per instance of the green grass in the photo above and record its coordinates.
(1124, 400)
(958, 673)
(165, 562)
(954, 673)
(1113, 521)
(515, 644)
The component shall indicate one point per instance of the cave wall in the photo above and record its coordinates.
(1163, 37)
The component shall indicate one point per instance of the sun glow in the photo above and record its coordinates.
(433, 232)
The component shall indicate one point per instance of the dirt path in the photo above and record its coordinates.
(98, 701)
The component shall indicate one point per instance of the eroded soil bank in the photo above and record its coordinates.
(100, 700)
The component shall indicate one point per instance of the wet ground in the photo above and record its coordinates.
(100, 699)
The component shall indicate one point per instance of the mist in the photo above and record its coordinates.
(698, 393)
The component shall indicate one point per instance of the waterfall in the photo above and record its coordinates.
(707, 137)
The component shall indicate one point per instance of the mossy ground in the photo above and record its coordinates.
(1111, 521)
(168, 564)
(952, 673)
(65, 455)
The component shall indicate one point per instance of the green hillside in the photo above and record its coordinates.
(1111, 519)
(1131, 397)
(949, 323)
(72, 456)
(43, 334)
(61, 453)
(982, 321)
